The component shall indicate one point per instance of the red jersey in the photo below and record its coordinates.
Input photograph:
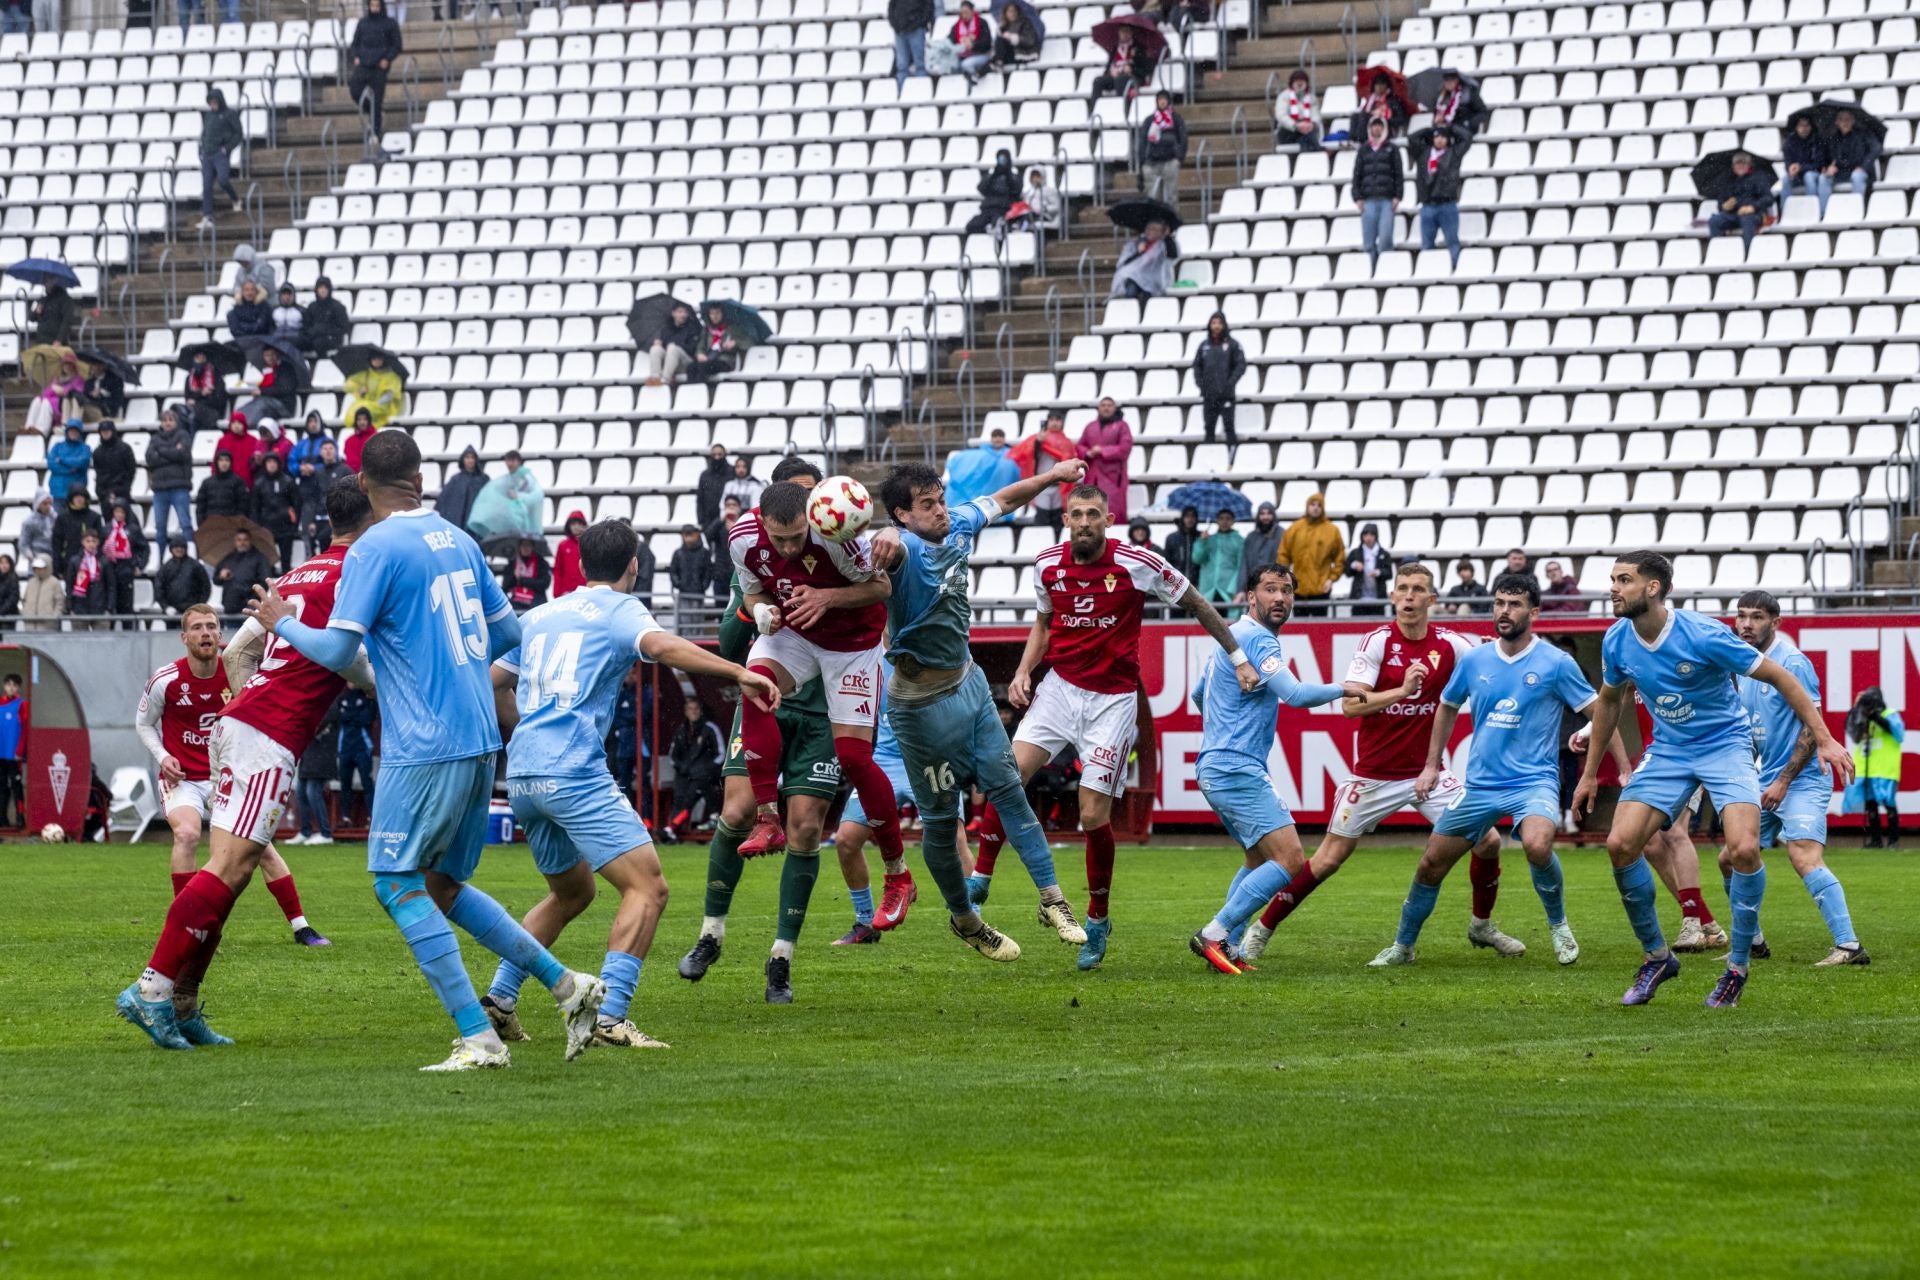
(183, 707)
(819, 564)
(1093, 636)
(289, 695)
(1393, 742)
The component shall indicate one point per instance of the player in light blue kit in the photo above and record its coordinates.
(1684, 666)
(938, 702)
(433, 617)
(1516, 688)
(1794, 804)
(1240, 695)
(558, 691)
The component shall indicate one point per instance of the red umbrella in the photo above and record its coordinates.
(1363, 83)
(1145, 35)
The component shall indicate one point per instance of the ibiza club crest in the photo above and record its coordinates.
(59, 775)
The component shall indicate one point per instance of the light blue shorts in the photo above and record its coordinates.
(569, 820)
(949, 741)
(431, 817)
(1666, 779)
(1803, 814)
(1240, 791)
(896, 770)
(1475, 810)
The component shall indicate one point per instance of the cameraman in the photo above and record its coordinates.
(1876, 734)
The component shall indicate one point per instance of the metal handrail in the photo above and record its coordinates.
(169, 266)
(1238, 131)
(409, 90)
(966, 298)
(1053, 315)
(170, 183)
(1203, 164)
(303, 58)
(1066, 209)
(1350, 35)
(331, 145)
(1003, 354)
(830, 438)
(209, 244)
(1310, 63)
(254, 202)
(964, 386)
(290, 180)
(1093, 154)
(1851, 518)
(1816, 556)
(930, 325)
(1088, 279)
(870, 400)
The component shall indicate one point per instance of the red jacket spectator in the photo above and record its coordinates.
(567, 574)
(363, 430)
(241, 446)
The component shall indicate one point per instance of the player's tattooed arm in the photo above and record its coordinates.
(1216, 626)
(1443, 721)
(1776, 791)
(1020, 688)
(1362, 701)
(1606, 722)
(1831, 754)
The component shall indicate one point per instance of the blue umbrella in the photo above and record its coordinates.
(747, 326)
(44, 271)
(1031, 17)
(1208, 496)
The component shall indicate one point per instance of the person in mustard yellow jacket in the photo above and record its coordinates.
(378, 390)
(1313, 548)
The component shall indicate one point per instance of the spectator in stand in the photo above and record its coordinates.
(1217, 560)
(123, 549)
(1877, 734)
(712, 486)
(223, 493)
(276, 506)
(9, 590)
(1218, 366)
(1459, 107)
(1369, 573)
(1437, 182)
(458, 490)
(910, 20)
(221, 134)
(254, 269)
(275, 395)
(1045, 212)
(999, 189)
(718, 353)
(1803, 157)
(288, 318)
(719, 561)
(77, 519)
(363, 431)
(698, 749)
(646, 568)
(239, 572)
(54, 316)
(113, 464)
(53, 402)
(239, 446)
(327, 323)
(68, 461)
(1159, 150)
(1128, 69)
(354, 754)
(743, 485)
(16, 19)
(44, 597)
(1106, 445)
(331, 468)
(310, 499)
(688, 573)
(1469, 593)
(170, 473)
(36, 531)
(1313, 548)
(104, 395)
(182, 580)
(972, 37)
(1145, 268)
(567, 575)
(1852, 153)
(1746, 205)
(1036, 455)
(1261, 546)
(1562, 593)
(313, 434)
(272, 440)
(205, 394)
(526, 576)
(980, 472)
(1296, 121)
(1016, 43)
(1184, 540)
(378, 390)
(673, 347)
(87, 579)
(1381, 104)
(376, 47)
(316, 770)
(1140, 534)
(1518, 563)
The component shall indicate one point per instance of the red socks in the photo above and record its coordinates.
(1694, 907)
(180, 879)
(875, 789)
(1290, 897)
(992, 836)
(287, 896)
(193, 925)
(760, 739)
(1099, 870)
(1485, 876)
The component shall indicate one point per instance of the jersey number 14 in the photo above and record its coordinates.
(550, 676)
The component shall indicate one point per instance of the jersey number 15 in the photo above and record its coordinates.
(455, 598)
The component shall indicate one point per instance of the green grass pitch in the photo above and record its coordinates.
(920, 1111)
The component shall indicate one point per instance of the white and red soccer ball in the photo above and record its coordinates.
(840, 509)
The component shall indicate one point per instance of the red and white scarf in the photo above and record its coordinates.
(1434, 157)
(1162, 120)
(1443, 112)
(84, 575)
(524, 567)
(966, 31)
(716, 338)
(119, 546)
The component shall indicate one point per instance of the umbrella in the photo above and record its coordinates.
(1029, 16)
(1363, 82)
(1198, 10)
(1822, 114)
(42, 363)
(44, 271)
(1713, 175)
(1145, 34)
(742, 321)
(649, 316)
(1208, 496)
(508, 544)
(290, 359)
(213, 539)
(226, 359)
(106, 359)
(1136, 212)
(1424, 86)
(352, 360)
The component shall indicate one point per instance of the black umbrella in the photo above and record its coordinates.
(1136, 212)
(650, 315)
(1713, 175)
(226, 359)
(1425, 85)
(747, 327)
(354, 359)
(1822, 114)
(1030, 16)
(290, 359)
(508, 544)
(121, 369)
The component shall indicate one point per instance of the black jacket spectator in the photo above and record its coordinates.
(376, 39)
(689, 570)
(712, 487)
(1263, 541)
(106, 391)
(73, 522)
(526, 581)
(646, 568)
(1469, 114)
(276, 500)
(457, 491)
(1171, 146)
(170, 455)
(684, 336)
(327, 323)
(1810, 153)
(982, 43)
(1754, 191)
(1016, 42)
(1185, 537)
(182, 580)
(9, 589)
(238, 575)
(906, 16)
(1378, 173)
(1440, 182)
(54, 316)
(223, 493)
(1361, 557)
(698, 750)
(207, 401)
(1218, 366)
(719, 560)
(1472, 597)
(94, 596)
(113, 465)
(1856, 149)
(999, 189)
(220, 127)
(250, 318)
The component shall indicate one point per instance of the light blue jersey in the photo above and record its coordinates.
(420, 592)
(929, 616)
(1243, 724)
(1775, 728)
(1515, 703)
(574, 653)
(1686, 679)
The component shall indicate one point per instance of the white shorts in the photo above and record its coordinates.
(188, 793)
(1100, 726)
(1361, 804)
(255, 780)
(851, 680)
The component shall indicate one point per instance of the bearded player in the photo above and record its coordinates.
(1396, 713)
(279, 700)
(1090, 592)
(175, 722)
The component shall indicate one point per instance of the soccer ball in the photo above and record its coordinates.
(53, 833)
(840, 509)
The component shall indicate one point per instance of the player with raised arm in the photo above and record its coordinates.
(564, 680)
(1516, 688)
(1090, 592)
(279, 700)
(1240, 698)
(417, 590)
(1684, 665)
(1795, 795)
(1395, 709)
(938, 702)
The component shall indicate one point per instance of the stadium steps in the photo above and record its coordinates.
(1901, 570)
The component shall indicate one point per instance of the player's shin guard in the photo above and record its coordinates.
(992, 836)
(621, 972)
(488, 924)
(1415, 910)
(1025, 835)
(798, 871)
(940, 846)
(760, 742)
(1747, 889)
(1831, 899)
(1694, 907)
(1099, 870)
(1289, 899)
(435, 948)
(1551, 885)
(875, 789)
(724, 867)
(1635, 882)
(288, 896)
(1484, 875)
(186, 988)
(180, 880)
(196, 913)
(1252, 891)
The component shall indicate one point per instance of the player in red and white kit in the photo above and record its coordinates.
(178, 711)
(821, 608)
(1396, 723)
(1090, 591)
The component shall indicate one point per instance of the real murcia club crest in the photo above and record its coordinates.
(1111, 580)
(59, 775)
(808, 561)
